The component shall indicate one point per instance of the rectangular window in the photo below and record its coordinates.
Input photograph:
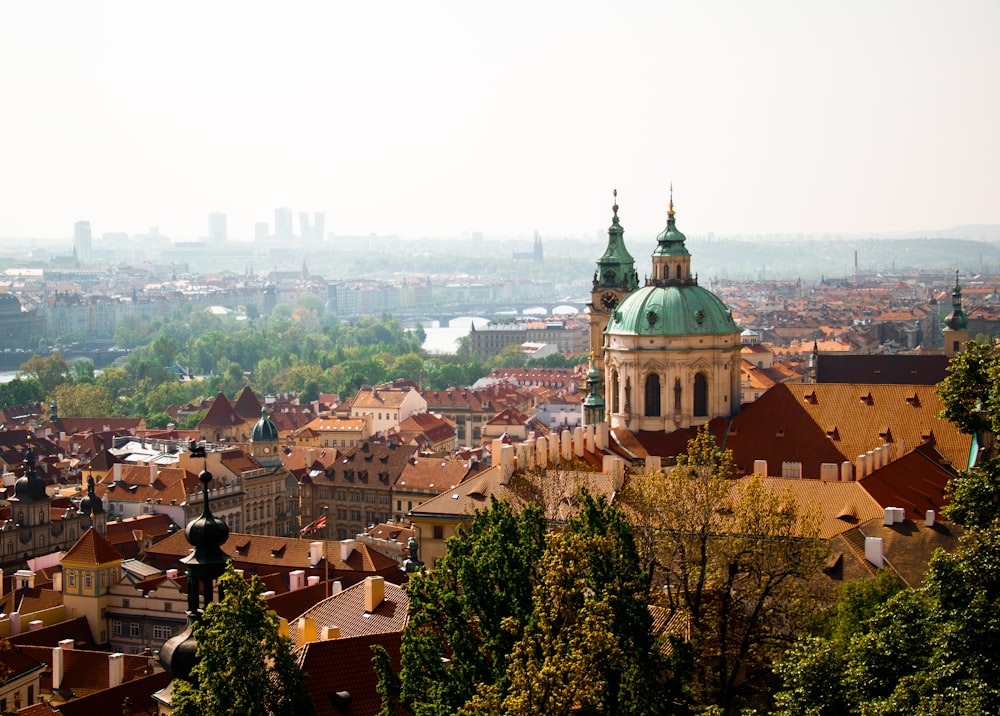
(168, 607)
(324, 494)
(134, 629)
(125, 603)
(116, 628)
(71, 578)
(88, 580)
(438, 532)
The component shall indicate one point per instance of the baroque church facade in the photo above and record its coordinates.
(668, 351)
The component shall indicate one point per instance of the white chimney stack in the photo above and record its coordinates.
(312, 580)
(873, 550)
(346, 549)
(929, 518)
(846, 471)
(58, 665)
(315, 553)
(116, 670)
(760, 467)
(296, 579)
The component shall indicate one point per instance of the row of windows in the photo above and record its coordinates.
(160, 631)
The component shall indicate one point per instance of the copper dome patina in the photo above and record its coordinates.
(672, 311)
(264, 430)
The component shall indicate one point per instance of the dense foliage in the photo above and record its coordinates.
(516, 621)
(306, 353)
(245, 667)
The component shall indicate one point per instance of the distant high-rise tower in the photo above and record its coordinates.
(319, 227)
(82, 240)
(283, 224)
(217, 228)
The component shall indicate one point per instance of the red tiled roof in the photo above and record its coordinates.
(346, 610)
(49, 636)
(345, 664)
(247, 404)
(221, 414)
(916, 482)
(92, 549)
(814, 423)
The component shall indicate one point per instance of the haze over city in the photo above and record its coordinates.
(444, 118)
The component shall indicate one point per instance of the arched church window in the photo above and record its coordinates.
(677, 395)
(653, 396)
(700, 395)
(678, 270)
(616, 398)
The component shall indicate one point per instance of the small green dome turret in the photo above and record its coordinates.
(264, 430)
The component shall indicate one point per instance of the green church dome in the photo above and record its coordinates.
(673, 310)
(264, 431)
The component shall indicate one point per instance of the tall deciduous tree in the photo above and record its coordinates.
(736, 558)
(971, 390)
(49, 371)
(245, 667)
(514, 622)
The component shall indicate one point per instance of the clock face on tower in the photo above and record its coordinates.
(609, 300)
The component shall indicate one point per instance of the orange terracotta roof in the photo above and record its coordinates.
(428, 473)
(92, 549)
(346, 610)
(814, 423)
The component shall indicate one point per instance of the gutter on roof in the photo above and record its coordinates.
(621, 447)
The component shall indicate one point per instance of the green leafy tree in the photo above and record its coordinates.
(49, 371)
(512, 621)
(21, 391)
(467, 613)
(971, 390)
(245, 667)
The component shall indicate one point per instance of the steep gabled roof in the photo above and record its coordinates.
(247, 405)
(221, 414)
(92, 549)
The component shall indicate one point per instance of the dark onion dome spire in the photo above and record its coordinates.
(264, 430)
(29, 487)
(206, 534)
(956, 320)
(90, 505)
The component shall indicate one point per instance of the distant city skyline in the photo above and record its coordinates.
(449, 118)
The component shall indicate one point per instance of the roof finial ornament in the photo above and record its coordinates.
(670, 212)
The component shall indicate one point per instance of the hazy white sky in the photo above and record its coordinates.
(437, 118)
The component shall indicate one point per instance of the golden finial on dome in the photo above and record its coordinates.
(671, 211)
